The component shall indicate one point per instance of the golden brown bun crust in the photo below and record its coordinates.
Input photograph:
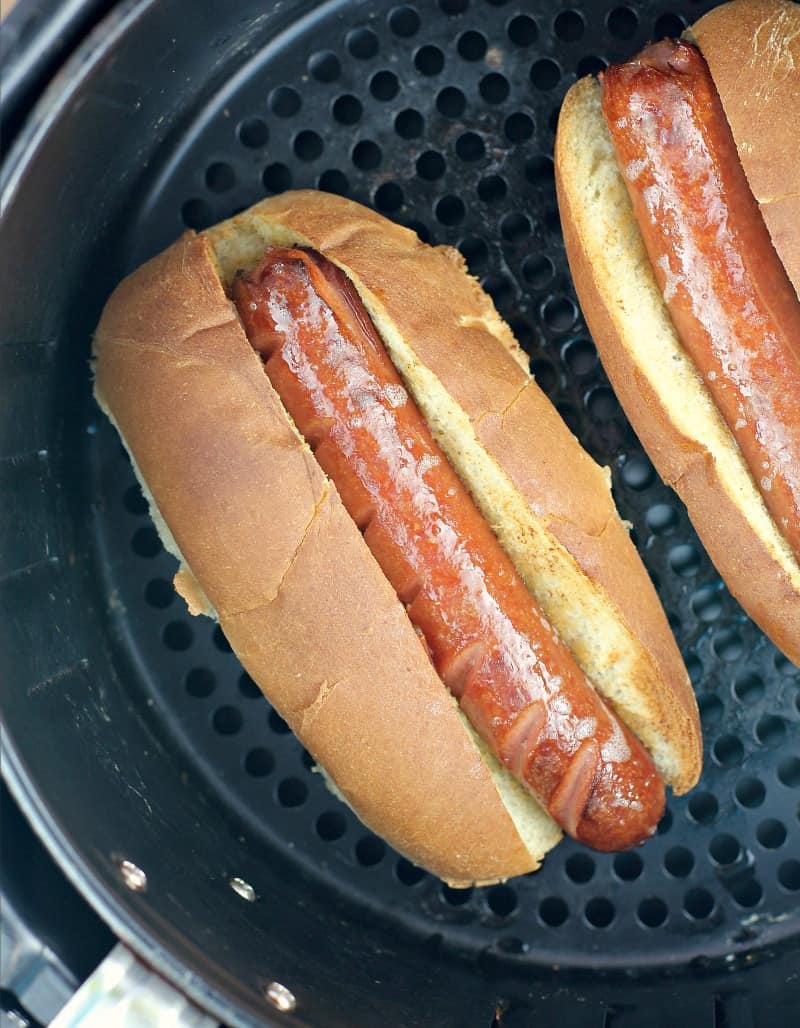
(453, 328)
(751, 571)
(752, 48)
(172, 363)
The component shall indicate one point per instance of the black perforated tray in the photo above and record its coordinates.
(441, 116)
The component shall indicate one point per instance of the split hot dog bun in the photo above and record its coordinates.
(752, 49)
(266, 546)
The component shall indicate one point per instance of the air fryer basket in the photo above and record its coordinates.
(130, 731)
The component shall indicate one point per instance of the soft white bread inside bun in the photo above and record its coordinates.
(657, 382)
(752, 48)
(299, 596)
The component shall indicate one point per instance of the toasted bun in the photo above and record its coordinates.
(660, 388)
(297, 592)
(752, 48)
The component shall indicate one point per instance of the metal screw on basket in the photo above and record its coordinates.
(243, 889)
(133, 876)
(280, 997)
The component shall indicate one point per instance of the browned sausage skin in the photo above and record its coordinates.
(728, 295)
(513, 676)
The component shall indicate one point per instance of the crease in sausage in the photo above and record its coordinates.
(727, 292)
(513, 676)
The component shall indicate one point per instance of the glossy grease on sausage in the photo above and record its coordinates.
(515, 679)
(728, 295)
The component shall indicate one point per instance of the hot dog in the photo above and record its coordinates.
(357, 638)
(699, 279)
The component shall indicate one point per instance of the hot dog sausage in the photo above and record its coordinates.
(513, 676)
(727, 292)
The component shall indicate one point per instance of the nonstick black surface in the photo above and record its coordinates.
(132, 731)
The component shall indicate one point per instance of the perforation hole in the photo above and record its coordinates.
(347, 109)
(404, 21)
(707, 603)
(559, 314)
(159, 593)
(652, 912)
(553, 911)
(362, 43)
(475, 252)
(747, 893)
(637, 472)
(330, 825)
(408, 873)
(518, 127)
(665, 824)
(324, 66)
(698, 903)
(789, 772)
(545, 74)
(430, 165)
(771, 833)
(499, 288)
(248, 688)
(728, 645)
(628, 866)
(450, 210)
(748, 688)
(308, 145)
(384, 85)
(602, 404)
(470, 146)
(678, 862)
(177, 636)
(694, 668)
(333, 181)
(590, 65)
(599, 912)
(502, 900)
(456, 897)
(197, 214)
(292, 792)
(703, 807)
(133, 500)
(284, 101)
(200, 683)
(539, 171)
(219, 640)
(579, 868)
(661, 519)
(668, 26)
(492, 188)
(538, 271)
(728, 751)
(622, 23)
(515, 226)
(684, 560)
(277, 178)
(227, 720)
(409, 124)
(259, 762)
(277, 724)
(545, 375)
(253, 133)
(494, 88)
(750, 792)
(429, 60)
(789, 875)
(366, 155)
(522, 30)
(145, 542)
(770, 730)
(569, 26)
(724, 849)
(471, 46)
(389, 197)
(451, 102)
(220, 177)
